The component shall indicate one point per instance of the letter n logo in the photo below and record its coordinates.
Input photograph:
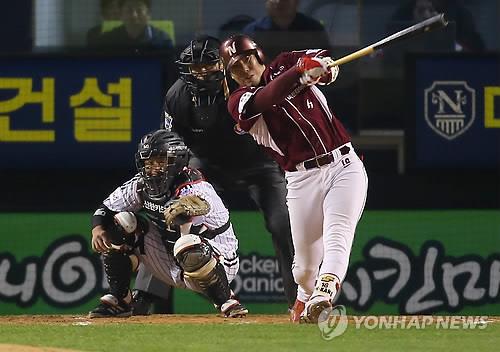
(232, 49)
(450, 107)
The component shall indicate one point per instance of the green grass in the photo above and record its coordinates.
(244, 337)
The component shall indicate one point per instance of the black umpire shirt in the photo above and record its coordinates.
(210, 134)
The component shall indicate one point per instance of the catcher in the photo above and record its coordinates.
(170, 219)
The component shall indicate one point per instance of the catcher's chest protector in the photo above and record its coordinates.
(154, 207)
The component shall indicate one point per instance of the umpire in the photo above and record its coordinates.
(196, 108)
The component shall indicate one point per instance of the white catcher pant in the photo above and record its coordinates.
(325, 205)
(163, 265)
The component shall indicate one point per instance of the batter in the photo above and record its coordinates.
(280, 106)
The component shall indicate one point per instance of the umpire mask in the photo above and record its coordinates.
(201, 68)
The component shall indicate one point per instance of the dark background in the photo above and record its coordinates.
(369, 95)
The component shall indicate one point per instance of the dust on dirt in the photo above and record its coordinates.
(151, 319)
(173, 319)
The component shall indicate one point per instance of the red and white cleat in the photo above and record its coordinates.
(296, 311)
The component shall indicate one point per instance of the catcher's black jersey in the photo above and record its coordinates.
(209, 132)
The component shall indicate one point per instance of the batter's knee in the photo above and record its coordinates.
(304, 278)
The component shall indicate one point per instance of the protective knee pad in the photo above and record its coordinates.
(118, 269)
(304, 278)
(197, 259)
(123, 229)
(127, 221)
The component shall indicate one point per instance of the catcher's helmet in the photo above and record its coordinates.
(160, 157)
(201, 51)
(237, 46)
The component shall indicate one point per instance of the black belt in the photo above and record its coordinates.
(170, 237)
(210, 234)
(324, 159)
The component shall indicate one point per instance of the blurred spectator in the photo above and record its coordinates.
(285, 29)
(467, 37)
(234, 25)
(135, 32)
(110, 11)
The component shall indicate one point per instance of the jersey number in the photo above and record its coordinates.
(346, 162)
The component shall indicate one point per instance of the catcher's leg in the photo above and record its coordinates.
(204, 272)
(147, 290)
(118, 267)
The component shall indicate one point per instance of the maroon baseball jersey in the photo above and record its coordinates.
(298, 127)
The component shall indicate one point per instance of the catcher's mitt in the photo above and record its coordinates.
(181, 210)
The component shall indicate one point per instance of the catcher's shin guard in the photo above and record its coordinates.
(197, 259)
(118, 269)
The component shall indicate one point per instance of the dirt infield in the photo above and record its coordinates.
(162, 319)
(24, 348)
(152, 319)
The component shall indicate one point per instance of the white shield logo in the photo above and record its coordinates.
(449, 107)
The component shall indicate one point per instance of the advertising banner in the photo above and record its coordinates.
(457, 111)
(403, 262)
(53, 108)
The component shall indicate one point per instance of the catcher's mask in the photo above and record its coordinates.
(161, 156)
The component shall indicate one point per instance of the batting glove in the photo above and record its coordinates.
(313, 68)
(331, 77)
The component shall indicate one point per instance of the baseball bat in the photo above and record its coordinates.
(429, 24)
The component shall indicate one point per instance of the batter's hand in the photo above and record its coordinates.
(313, 68)
(331, 77)
(100, 240)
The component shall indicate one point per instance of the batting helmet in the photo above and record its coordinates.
(173, 156)
(238, 46)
